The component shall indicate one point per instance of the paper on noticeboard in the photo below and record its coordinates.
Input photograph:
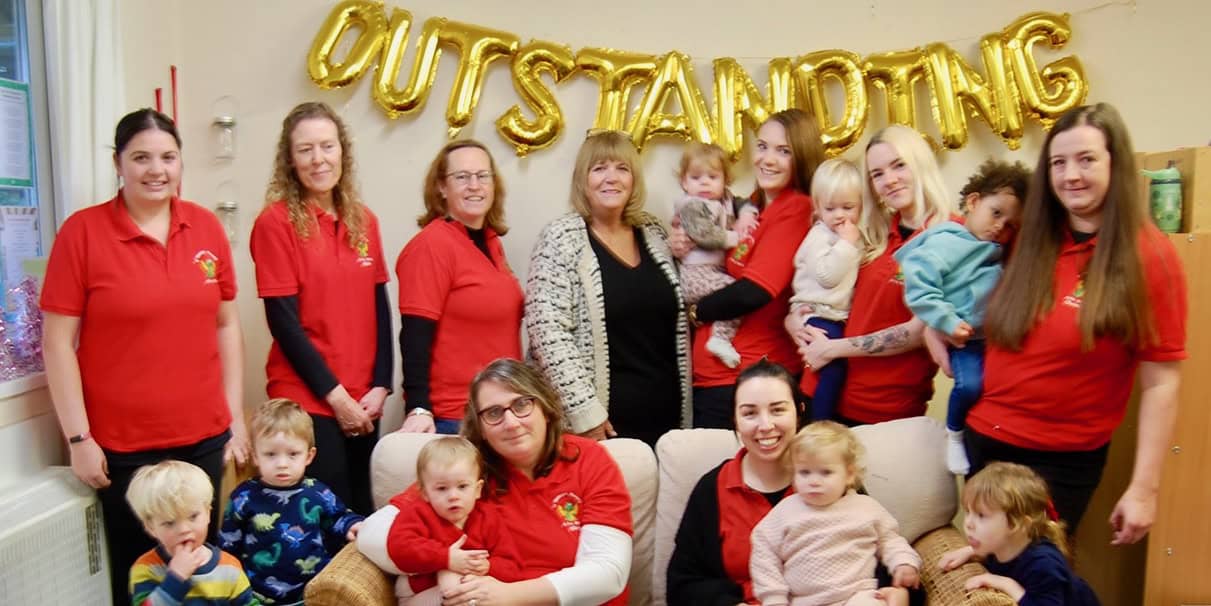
(16, 151)
(19, 239)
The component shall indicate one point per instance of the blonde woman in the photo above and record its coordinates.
(890, 375)
(603, 303)
(321, 274)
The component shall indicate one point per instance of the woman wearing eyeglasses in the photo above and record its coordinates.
(604, 310)
(459, 301)
(321, 273)
(564, 493)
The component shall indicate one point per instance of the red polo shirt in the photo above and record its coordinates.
(892, 387)
(148, 345)
(334, 283)
(548, 512)
(740, 509)
(476, 302)
(768, 263)
(1051, 395)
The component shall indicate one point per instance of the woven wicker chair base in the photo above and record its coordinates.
(946, 588)
(350, 580)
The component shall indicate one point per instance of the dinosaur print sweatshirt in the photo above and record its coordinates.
(279, 535)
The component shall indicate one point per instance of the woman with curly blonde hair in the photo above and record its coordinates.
(320, 271)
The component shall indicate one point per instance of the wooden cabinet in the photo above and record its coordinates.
(1179, 547)
(1173, 567)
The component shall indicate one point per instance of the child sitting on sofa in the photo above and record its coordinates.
(820, 546)
(441, 532)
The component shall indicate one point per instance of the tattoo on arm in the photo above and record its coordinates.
(877, 342)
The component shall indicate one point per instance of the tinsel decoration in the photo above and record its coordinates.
(21, 332)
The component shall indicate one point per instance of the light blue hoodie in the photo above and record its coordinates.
(948, 275)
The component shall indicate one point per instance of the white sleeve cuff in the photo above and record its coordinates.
(603, 564)
(372, 538)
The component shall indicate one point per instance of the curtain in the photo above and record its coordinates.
(85, 95)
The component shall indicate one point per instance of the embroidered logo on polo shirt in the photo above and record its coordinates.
(209, 264)
(1078, 292)
(567, 506)
(898, 277)
(363, 253)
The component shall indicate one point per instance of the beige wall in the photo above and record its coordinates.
(1139, 55)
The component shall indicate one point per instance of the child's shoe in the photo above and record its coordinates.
(956, 453)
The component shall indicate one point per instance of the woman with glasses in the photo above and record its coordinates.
(321, 273)
(569, 508)
(459, 302)
(603, 303)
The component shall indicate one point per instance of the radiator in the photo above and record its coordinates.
(52, 543)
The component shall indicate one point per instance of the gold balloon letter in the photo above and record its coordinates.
(954, 84)
(477, 47)
(811, 70)
(896, 73)
(737, 100)
(424, 67)
(1061, 85)
(369, 16)
(675, 76)
(617, 72)
(528, 63)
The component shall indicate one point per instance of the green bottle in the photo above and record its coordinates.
(1166, 197)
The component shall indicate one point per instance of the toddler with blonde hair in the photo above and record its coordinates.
(822, 545)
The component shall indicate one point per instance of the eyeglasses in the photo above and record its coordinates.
(464, 177)
(521, 407)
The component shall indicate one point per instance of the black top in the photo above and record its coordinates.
(641, 320)
(695, 574)
(739, 298)
(905, 231)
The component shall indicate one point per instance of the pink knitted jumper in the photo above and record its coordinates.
(803, 555)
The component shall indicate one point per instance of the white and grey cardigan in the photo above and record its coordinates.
(565, 318)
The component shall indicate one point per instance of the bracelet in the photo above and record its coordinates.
(420, 411)
(691, 314)
(79, 438)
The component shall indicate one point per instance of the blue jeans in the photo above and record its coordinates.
(967, 366)
(447, 426)
(831, 378)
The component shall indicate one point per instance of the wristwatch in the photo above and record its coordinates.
(420, 411)
(691, 314)
(76, 439)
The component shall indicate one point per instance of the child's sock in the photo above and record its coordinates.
(722, 348)
(956, 453)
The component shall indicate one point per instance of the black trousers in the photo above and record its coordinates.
(343, 463)
(715, 407)
(125, 538)
(1071, 476)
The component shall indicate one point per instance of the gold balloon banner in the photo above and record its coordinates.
(1009, 88)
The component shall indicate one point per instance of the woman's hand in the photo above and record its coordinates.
(89, 464)
(418, 424)
(1132, 516)
(819, 349)
(601, 432)
(353, 420)
(956, 557)
(999, 583)
(935, 344)
(373, 402)
(477, 591)
(679, 243)
(239, 446)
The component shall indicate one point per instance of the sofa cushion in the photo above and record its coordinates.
(905, 471)
(393, 468)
